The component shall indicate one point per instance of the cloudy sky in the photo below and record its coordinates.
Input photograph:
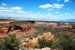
(47, 10)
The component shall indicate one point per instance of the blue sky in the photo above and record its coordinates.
(47, 10)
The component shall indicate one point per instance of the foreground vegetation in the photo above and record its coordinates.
(10, 43)
(65, 42)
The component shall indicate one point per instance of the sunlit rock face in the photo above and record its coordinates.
(31, 43)
(48, 36)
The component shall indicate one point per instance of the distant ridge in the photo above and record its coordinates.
(7, 20)
(68, 20)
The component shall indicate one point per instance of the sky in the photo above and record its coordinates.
(44, 10)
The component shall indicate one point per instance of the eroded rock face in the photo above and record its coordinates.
(3, 29)
(14, 27)
(33, 42)
(17, 27)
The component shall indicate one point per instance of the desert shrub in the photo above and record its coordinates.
(65, 42)
(22, 48)
(56, 30)
(35, 34)
(41, 29)
(44, 43)
(10, 43)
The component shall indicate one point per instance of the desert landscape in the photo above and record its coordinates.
(37, 24)
(34, 35)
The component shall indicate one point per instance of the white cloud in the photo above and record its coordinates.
(67, 15)
(19, 14)
(23, 15)
(15, 8)
(66, 0)
(46, 6)
(58, 5)
(2, 8)
(51, 6)
(3, 4)
(8, 12)
(52, 17)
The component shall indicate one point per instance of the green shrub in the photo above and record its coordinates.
(10, 43)
(65, 42)
(44, 43)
